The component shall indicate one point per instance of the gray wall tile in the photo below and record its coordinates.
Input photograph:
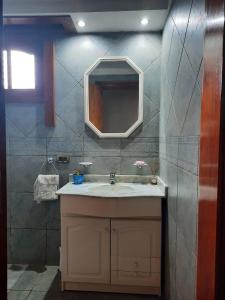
(77, 54)
(151, 109)
(60, 130)
(28, 246)
(169, 149)
(142, 49)
(71, 110)
(187, 208)
(170, 259)
(183, 91)
(53, 244)
(188, 154)
(167, 42)
(53, 215)
(27, 146)
(101, 147)
(26, 213)
(181, 79)
(181, 10)
(172, 126)
(103, 164)
(140, 146)
(151, 78)
(70, 145)
(174, 58)
(195, 34)
(12, 130)
(22, 171)
(171, 178)
(64, 81)
(165, 108)
(191, 124)
(148, 128)
(185, 271)
(24, 116)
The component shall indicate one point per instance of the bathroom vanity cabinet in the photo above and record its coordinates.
(111, 244)
(86, 249)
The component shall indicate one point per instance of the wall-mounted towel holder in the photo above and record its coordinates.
(49, 162)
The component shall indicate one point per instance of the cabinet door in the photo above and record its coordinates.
(85, 249)
(135, 252)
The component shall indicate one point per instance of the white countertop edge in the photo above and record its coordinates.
(157, 191)
(163, 187)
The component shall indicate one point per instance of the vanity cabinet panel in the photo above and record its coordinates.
(109, 245)
(135, 252)
(86, 249)
(111, 207)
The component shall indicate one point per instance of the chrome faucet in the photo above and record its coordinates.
(112, 177)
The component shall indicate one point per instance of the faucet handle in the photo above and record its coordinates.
(112, 177)
(112, 174)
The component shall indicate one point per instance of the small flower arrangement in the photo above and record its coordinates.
(78, 177)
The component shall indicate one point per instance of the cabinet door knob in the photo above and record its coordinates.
(113, 230)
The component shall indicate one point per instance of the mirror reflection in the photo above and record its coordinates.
(113, 96)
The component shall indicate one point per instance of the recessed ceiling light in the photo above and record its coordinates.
(81, 23)
(144, 21)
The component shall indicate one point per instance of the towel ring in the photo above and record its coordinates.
(49, 162)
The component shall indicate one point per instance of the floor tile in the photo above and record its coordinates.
(37, 296)
(48, 280)
(28, 279)
(43, 283)
(17, 295)
(14, 273)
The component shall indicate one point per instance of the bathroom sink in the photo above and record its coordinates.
(110, 188)
(117, 190)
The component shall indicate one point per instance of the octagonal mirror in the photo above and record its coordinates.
(113, 97)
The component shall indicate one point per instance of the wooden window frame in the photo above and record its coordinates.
(25, 95)
(49, 89)
(44, 73)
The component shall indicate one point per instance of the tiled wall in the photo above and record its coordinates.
(33, 229)
(179, 140)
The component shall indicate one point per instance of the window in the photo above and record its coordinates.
(22, 74)
(19, 70)
(28, 70)
(23, 64)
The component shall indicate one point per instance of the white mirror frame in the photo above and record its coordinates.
(86, 97)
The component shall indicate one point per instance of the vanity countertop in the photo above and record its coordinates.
(118, 190)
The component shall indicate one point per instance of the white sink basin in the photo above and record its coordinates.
(110, 188)
(117, 190)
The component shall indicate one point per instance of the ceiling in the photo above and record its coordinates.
(98, 15)
(125, 21)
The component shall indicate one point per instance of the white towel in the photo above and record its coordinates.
(45, 187)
